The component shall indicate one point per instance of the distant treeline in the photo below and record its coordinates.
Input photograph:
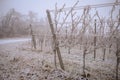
(14, 24)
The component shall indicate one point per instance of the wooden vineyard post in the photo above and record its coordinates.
(118, 52)
(95, 41)
(104, 50)
(84, 61)
(33, 38)
(56, 45)
(117, 55)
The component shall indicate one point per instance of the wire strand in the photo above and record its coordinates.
(91, 6)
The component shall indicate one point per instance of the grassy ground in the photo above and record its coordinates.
(19, 62)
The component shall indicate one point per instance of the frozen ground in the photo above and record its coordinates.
(19, 62)
(6, 41)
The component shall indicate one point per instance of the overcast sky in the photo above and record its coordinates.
(40, 6)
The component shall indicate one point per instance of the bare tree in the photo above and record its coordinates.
(13, 24)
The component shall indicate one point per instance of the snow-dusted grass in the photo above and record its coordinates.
(19, 62)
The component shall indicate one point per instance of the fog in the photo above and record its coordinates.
(59, 39)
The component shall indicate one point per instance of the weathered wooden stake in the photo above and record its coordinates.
(95, 41)
(117, 55)
(117, 52)
(33, 38)
(104, 51)
(56, 44)
(84, 61)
